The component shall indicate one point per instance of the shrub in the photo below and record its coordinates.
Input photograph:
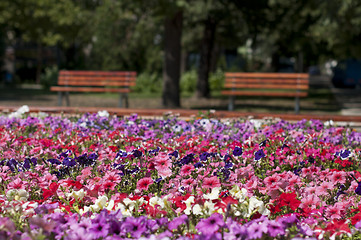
(148, 83)
(49, 77)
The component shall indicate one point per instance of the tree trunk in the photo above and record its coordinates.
(39, 62)
(172, 59)
(205, 58)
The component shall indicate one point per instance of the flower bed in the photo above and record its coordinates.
(101, 177)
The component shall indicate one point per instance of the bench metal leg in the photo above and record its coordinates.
(123, 98)
(60, 98)
(67, 99)
(297, 105)
(126, 100)
(231, 103)
(120, 104)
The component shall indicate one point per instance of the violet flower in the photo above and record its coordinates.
(237, 151)
(135, 226)
(177, 222)
(210, 225)
(259, 154)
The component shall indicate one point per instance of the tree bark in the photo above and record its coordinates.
(39, 62)
(205, 58)
(172, 60)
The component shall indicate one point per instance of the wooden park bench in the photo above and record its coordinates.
(94, 81)
(266, 85)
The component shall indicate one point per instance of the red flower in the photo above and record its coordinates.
(290, 200)
(355, 219)
(72, 183)
(154, 211)
(338, 227)
(113, 148)
(51, 191)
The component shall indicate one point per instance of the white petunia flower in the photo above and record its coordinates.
(103, 113)
(213, 195)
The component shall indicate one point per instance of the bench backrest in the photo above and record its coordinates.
(282, 84)
(96, 78)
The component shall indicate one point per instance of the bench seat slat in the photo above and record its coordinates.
(265, 94)
(266, 86)
(89, 89)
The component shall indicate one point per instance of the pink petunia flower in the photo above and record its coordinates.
(186, 170)
(144, 183)
(109, 185)
(162, 161)
(333, 212)
(310, 201)
(338, 177)
(323, 188)
(211, 182)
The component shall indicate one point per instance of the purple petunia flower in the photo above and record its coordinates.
(288, 221)
(236, 231)
(358, 189)
(259, 154)
(214, 236)
(256, 230)
(345, 154)
(135, 226)
(69, 162)
(210, 225)
(204, 156)
(275, 228)
(99, 230)
(174, 154)
(237, 151)
(177, 221)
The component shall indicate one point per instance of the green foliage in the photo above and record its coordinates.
(188, 81)
(123, 38)
(148, 83)
(49, 77)
(216, 80)
(43, 21)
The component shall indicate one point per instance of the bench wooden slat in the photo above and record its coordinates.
(267, 75)
(267, 80)
(96, 83)
(266, 86)
(265, 94)
(97, 78)
(95, 73)
(89, 89)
